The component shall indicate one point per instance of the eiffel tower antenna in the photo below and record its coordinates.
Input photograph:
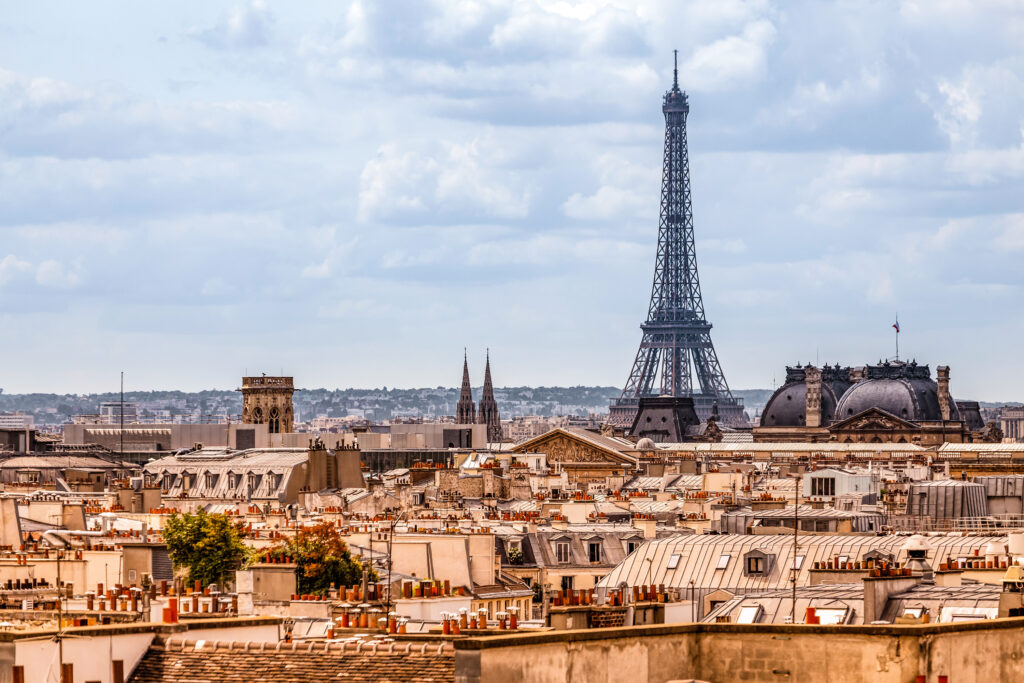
(676, 357)
(675, 69)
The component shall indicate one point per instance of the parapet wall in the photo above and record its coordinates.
(977, 651)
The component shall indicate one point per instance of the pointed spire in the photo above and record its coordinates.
(675, 69)
(488, 414)
(488, 388)
(465, 410)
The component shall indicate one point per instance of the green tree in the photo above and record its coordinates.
(323, 558)
(210, 546)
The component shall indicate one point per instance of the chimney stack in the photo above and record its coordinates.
(812, 407)
(944, 398)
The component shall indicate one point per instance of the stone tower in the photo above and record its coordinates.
(488, 414)
(268, 400)
(465, 411)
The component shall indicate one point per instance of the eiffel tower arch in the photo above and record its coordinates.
(676, 357)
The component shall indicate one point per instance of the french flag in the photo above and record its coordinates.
(896, 326)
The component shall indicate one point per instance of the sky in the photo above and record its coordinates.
(354, 192)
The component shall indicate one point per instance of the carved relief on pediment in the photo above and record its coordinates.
(565, 450)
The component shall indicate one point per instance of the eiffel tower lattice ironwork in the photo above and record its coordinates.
(676, 346)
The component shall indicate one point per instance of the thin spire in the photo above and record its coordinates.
(675, 69)
(465, 410)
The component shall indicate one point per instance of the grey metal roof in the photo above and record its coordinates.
(698, 555)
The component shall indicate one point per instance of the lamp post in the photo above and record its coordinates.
(798, 479)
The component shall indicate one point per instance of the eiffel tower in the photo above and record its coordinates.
(676, 345)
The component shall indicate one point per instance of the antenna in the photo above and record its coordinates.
(675, 69)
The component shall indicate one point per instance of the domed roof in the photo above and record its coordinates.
(787, 405)
(905, 390)
(645, 444)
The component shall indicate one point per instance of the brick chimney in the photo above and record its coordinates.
(945, 400)
(812, 407)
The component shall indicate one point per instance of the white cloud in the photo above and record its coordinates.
(246, 25)
(463, 179)
(11, 267)
(730, 62)
(51, 273)
(317, 271)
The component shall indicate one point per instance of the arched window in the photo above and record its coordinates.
(275, 421)
(257, 415)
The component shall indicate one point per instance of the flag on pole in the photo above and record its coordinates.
(896, 326)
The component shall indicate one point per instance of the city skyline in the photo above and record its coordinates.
(260, 189)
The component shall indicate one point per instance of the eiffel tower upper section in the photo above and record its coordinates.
(676, 356)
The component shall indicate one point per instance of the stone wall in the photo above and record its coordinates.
(975, 651)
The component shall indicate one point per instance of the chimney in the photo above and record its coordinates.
(917, 562)
(877, 590)
(944, 398)
(812, 407)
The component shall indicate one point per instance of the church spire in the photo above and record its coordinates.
(465, 411)
(488, 414)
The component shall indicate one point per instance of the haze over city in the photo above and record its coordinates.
(353, 192)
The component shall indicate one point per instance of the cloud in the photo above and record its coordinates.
(245, 26)
(11, 267)
(446, 179)
(49, 273)
(406, 170)
(730, 62)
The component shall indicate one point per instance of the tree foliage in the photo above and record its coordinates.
(209, 545)
(323, 558)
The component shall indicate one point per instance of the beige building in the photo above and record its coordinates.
(268, 400)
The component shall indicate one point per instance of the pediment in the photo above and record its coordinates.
(563, 446)
(873, 420)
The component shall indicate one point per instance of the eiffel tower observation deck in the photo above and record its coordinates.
(676, 356)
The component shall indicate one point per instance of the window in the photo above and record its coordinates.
(562, 551)
(823, 486)
(914, 612)
(514, 544)
(28, 476)
(168, 480)
(274, 424)
(799, 561)
(211, 480)
(723, 561)
(234, 480)
(749, 614)
(254, 481)
(843, 559)
(673, 561)
(755, 565)
(594, 551)
(631, 547)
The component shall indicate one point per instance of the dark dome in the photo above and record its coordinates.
(904, 390)
(787, 405)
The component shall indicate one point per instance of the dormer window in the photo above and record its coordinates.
(211, 480)
(168, 480)
(594, 551)
(758, 563)
(562, 552)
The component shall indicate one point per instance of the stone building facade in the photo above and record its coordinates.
(268, 400)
